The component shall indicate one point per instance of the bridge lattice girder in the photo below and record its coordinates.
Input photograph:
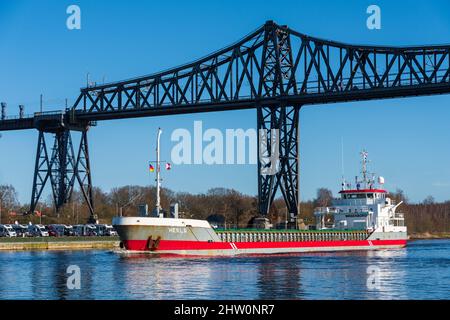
(237, 77)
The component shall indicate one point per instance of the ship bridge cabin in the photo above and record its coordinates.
(361, 197)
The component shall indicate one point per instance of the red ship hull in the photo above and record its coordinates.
(233, 248)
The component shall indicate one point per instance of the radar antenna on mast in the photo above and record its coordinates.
(365, 161)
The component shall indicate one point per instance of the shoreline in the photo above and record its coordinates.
(429, 236)
(58, 243)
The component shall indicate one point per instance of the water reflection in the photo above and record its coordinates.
(13, 281)
(278, 277)
(391, 269)
(419, 272)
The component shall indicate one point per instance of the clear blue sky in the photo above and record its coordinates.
(407, 139)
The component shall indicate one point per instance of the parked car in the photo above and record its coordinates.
(7, 231)
(20, 229)
(84, 230)
(60, 230)
(68, 230)
(54, 230)
(90, 230)
(78, 230)
(105, 230)
(37, 230)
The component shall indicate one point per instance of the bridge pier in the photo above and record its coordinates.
(278, 123)
(61, 167)
(278, 165)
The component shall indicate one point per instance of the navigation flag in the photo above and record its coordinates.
(168, 166)
(152, 168)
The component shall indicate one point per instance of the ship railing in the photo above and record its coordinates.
(293, 236)
(397, 219)
(352, 202)
(360, 209)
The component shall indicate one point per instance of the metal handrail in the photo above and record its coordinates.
(17, 117)
(45, 113)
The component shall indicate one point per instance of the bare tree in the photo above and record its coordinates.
(8, 197)
(324, 197)
(428, 200)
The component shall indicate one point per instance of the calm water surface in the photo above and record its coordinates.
(421, 271)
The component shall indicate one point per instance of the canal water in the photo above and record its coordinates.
(421, 271)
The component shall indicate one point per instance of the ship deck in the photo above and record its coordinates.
(277, 235)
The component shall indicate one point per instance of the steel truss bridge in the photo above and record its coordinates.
(274, 70)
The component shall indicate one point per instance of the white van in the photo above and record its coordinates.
(37, 230)
(7, 231)
(20, 229)
(82, 230)
(105, 230)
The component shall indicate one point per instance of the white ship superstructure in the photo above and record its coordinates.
(364, 207)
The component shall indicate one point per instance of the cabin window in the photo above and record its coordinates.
(370, 195)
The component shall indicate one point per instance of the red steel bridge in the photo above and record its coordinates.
(274, 70)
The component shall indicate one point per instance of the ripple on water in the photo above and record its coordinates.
(422, 271)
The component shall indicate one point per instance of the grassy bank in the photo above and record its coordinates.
(59, 243)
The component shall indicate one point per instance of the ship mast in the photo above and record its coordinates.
(364, 155)
(158, 179)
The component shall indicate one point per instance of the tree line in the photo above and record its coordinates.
(219, 205)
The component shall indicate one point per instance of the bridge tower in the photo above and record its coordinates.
(278, 124)
(60, 165)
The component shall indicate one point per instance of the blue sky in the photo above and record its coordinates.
(407, 139)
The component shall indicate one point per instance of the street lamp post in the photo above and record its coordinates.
(286, 224)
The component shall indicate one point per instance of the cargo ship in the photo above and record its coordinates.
(363, 218)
